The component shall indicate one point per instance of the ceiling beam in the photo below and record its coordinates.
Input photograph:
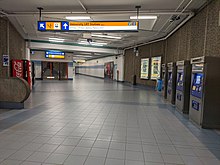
(114, 12)
(72, 47)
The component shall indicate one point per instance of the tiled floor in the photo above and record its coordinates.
(95, 122)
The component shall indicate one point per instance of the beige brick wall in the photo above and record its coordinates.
(16, 44)
(198, 37)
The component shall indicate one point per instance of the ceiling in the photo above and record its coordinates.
(24, 15)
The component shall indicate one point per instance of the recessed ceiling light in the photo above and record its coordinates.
(144, 17)
(78, 17)
(106, 36)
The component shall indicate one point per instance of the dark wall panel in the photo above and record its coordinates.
(128, 65)
(133, 63)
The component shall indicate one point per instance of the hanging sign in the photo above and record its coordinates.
(87, 26)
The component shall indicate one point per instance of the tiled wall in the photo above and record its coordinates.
(198, 37)
(16, 44)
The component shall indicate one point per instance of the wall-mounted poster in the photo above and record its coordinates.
(155, 67)
(144, 68)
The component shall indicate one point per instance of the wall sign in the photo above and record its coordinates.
(87, 26)
(5, 60)
(155, 67)
(145, 68)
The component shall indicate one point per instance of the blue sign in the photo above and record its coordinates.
(5, 60)
(54, 54)
(195, 105)
(65, 26)
(42, 26)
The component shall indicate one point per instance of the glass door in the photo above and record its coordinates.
(50, 70)
(63, 71)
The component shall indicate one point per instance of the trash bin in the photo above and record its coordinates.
(134, 77)
(159, 85)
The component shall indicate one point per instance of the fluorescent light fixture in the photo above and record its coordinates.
(93, 43)
(80, 55)
(144, 17)
(56, 40)
(78, 17)
(106, 36)
(83, 53)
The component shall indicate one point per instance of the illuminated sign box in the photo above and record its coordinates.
(54, 54)
(87, 26)
(155, 67)
(145, 68)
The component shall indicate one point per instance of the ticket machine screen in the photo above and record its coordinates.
(198, 79)
(197, 85)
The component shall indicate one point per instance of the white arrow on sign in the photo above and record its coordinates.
(41, 25)
(65, 25)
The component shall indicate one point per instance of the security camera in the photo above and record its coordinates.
(174, 18)
(89, 40)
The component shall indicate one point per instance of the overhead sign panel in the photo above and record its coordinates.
(54, 54)
(87, 26)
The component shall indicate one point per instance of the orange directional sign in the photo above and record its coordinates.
(53, 26)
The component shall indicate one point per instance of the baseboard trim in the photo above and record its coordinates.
(90, 75)
(11, 105)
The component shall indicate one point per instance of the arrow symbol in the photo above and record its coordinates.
(65, 25)
(42, 26)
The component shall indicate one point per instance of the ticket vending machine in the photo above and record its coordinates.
(171, 84)
(183, 86)
(204, 108)
(164, 81)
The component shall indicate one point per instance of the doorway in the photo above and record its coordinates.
(54, 70)
(109, 70)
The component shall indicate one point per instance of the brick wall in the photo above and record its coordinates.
(16, 44)
(198, 37)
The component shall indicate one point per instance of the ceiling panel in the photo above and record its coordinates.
(24, 15)
(130, 4)
(31, 5)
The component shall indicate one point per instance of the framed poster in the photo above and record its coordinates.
(155, 67)
(145, 68)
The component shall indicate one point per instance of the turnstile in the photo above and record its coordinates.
(204, 108)
(183, 86)
(171, 84)
(164, 81)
